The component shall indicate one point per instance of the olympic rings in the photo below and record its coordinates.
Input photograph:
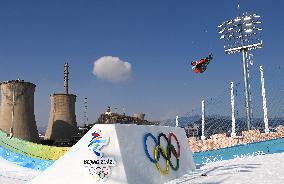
(146, 149)
(158, 165)
(166, 153)
(173, 135)
(173, 150)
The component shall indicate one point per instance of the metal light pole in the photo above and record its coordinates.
(241, 35)
(264, 107)
(233, 133)
(177, 123)
(202, 120)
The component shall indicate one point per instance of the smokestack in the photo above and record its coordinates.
(17, 110)
(66, 79)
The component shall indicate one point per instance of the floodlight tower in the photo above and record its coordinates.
(241, 35)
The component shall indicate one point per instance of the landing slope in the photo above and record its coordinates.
(262, 169)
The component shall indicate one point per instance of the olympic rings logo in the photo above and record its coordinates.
(165, 152)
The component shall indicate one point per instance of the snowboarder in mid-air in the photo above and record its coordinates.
(201, 65)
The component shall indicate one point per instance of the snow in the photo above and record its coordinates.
(261, 169)
(13, 174)
(125, 147)
(254, 170)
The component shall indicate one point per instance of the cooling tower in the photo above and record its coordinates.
(17, 110)
(62, 120)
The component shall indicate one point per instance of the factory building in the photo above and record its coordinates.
(62, 120)
(17, 116)
(140, 116)
(111, 118)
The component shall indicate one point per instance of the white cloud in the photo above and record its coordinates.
(112, 69)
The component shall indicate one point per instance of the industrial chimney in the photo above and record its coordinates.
(66, 79)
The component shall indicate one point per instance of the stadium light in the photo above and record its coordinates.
(242, 34)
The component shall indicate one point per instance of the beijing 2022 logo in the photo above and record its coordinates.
(166, 152)
(99, 167)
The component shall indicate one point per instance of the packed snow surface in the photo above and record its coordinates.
(11, 173)
(263, 169)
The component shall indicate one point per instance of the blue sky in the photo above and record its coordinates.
(158, 38)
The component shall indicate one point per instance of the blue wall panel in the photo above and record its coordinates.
(244, 150)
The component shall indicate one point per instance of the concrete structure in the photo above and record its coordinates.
(17, 110)
(110, 117)
(66, 79)
(62, 120)
(140, 116)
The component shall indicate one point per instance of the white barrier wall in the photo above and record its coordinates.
(118, 155)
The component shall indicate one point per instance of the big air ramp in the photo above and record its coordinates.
(117, 153)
